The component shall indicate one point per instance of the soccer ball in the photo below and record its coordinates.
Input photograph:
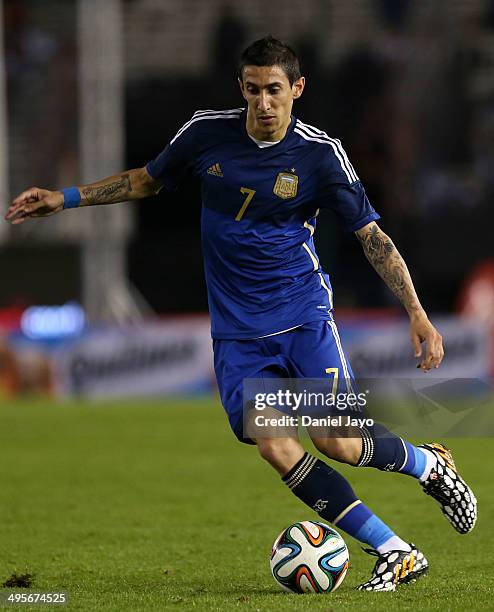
(309, 557)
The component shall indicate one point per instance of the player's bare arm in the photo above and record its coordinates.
(129, 185)
(389, 264)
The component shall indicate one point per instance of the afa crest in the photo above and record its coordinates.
(286, 185)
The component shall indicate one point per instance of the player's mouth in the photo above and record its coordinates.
(266, 119)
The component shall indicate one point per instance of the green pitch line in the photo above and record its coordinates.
(155, 506)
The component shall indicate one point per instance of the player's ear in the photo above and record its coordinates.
(241, 85)
(298, 87)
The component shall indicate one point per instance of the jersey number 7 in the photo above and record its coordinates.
(249, 193)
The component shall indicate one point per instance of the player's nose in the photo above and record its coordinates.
(263, 102)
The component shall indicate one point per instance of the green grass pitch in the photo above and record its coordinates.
(155, 506)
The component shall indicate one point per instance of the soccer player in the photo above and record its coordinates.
(265, 174)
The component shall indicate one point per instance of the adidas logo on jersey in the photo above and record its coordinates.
(215, 170)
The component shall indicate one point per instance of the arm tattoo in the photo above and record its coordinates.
(388, 263)
(116, 191)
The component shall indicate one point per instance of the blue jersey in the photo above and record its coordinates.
(259, 208)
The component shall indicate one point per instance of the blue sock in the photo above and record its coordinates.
(326, 491)
(388, 452)
(415, 462)
(370, 528)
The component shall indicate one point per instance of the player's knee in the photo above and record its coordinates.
(281, 453)
(345, 450)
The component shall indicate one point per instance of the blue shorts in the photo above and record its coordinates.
(305, 352)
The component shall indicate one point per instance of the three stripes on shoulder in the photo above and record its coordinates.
(201, 115)
(311, 133)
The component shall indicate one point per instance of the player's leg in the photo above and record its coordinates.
(327, 492)
(433, 465)
(375, 446)
(280, 453)
(370, 446)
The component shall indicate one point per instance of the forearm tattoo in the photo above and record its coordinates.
(388, 263)
(116, 191)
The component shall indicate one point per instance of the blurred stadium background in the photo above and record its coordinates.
(111, 301)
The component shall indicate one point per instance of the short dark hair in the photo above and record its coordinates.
(269, 51)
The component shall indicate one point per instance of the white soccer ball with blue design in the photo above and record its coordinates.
(309, 557)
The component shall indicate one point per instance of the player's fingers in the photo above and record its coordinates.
(20, 213)
(30, 194)
(17, 208)
(427, 363)
(417, 347)
(13, 212)
(424, 364)
(437, 351)
(434, 353)
(20, 219)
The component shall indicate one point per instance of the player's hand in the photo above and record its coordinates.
(422, 331)
(34, 202)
